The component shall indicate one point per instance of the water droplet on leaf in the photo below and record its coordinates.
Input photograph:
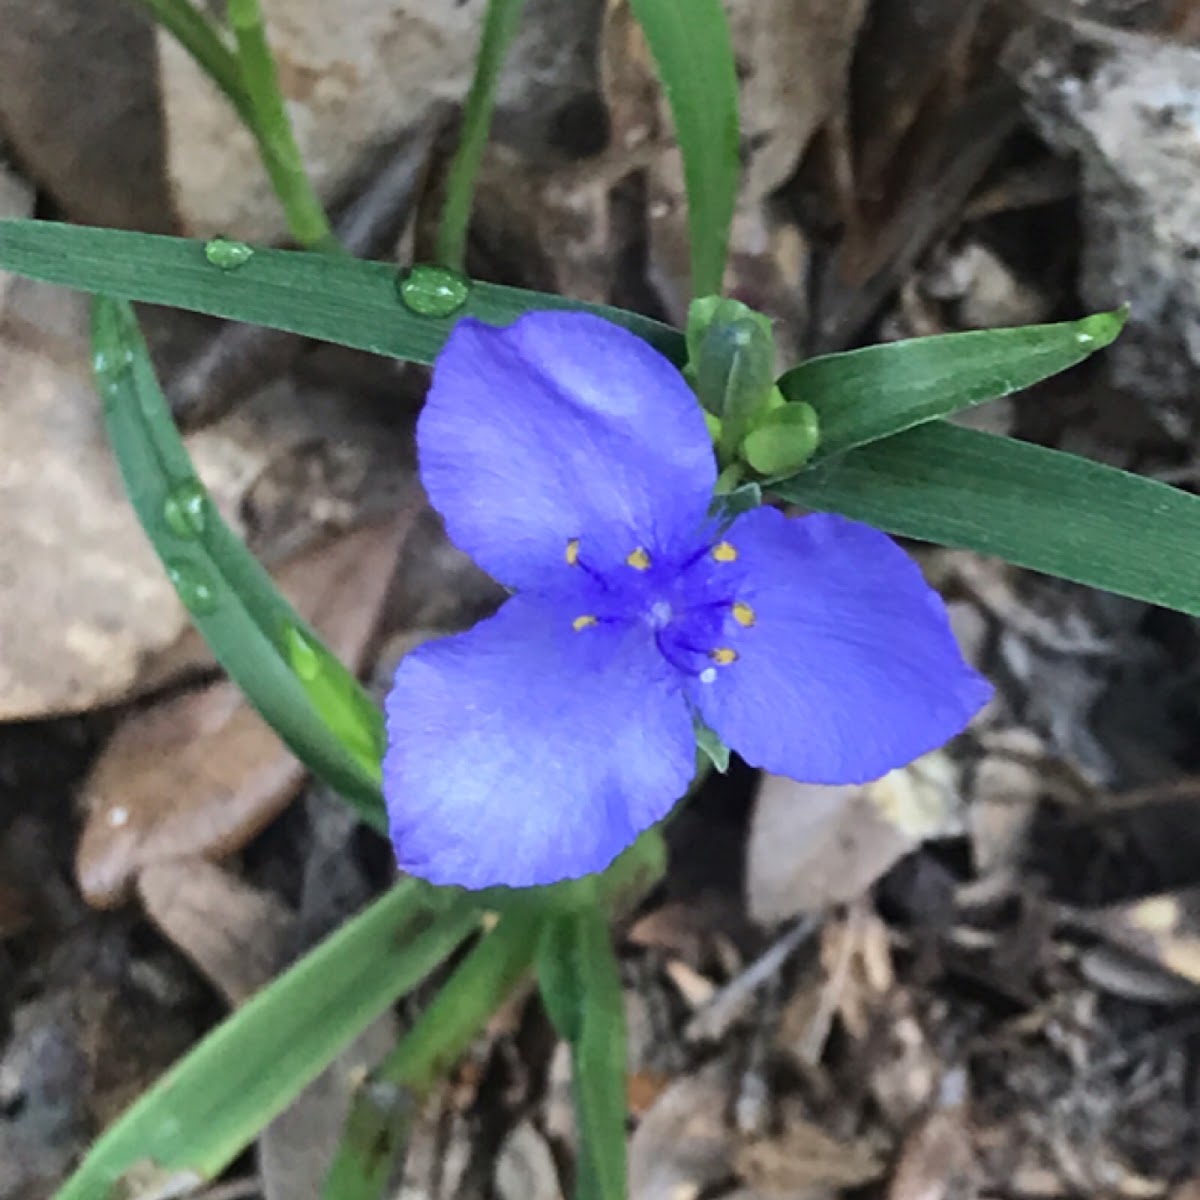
(1085, 339)
(434, 291)
(227, 254)
(195, 588)
(185, 510)
(304, 657)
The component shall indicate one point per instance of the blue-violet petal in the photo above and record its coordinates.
(843, 665)
(561, 426)
(527, 751)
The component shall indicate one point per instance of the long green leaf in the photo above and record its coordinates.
(581, 988)
(332, 297)
(272, 127)
(384, 1106)
(500, 24)
(872, 393)
(690, 43)
(300, 688)
(196, 1120)
(1038, 508)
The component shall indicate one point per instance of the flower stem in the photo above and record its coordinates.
(201, 39)
(499, 27)
(383, 1110)
(270, 125)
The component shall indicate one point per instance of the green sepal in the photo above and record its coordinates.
(728, 506)
(711, 746)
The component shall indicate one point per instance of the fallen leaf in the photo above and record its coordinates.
(525, 1167)
(803, 1156)
(202, 773)
(683, 1145)
(812, 847)
(236, 935)
(936, 1161)
(95, 144)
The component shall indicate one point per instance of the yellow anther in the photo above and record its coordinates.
(584, 622)
(639, 560)
(572, 552)
(743, 614)
(725, 552)
(723, 656)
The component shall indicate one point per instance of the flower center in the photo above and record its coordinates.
(689, 603)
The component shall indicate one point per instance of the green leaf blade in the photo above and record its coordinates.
(864, 395)
(581, 988)
(1039, 508)
(214, 1102)
(381, 1115)
(334, 298)
(691, 46)
(317, 707)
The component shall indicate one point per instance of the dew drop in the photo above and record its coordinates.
(304, 657)
(185, 510)
(227, 254)
(194, 587)
(433, 291)
(112, 363)
(1085, 339)
(708, 675)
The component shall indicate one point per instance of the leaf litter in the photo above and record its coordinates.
(976, 979)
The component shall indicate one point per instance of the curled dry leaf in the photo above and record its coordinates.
(202, 773)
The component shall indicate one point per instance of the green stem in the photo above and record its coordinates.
(499, 26)
(200, 38)
(270, 125)
(383, 1110)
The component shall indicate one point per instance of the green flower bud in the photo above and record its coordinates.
(782, 440)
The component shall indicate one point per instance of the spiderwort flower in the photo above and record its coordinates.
(571, 461)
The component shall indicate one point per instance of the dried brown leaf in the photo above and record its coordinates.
(683, 1144)
(201, 774)
(936, 1161)
(812, 847)
(236, 935)
(804, 1157)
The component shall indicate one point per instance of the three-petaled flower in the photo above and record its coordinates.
(572, 462)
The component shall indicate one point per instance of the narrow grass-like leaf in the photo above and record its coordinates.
(500, 24)
(385, 1105)
(196, 1120)
(198, 35)
(309, 698)
(335, 298)
(581, 988)
(864, 395)
(271, 126)
(690, 43)
(1038, 508)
